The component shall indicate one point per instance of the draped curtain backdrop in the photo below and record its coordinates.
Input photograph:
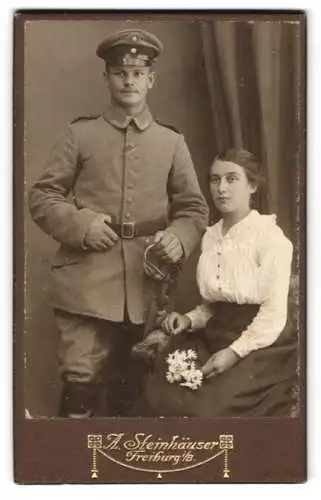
(253, 73)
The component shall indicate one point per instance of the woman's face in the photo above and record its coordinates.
(230, 188)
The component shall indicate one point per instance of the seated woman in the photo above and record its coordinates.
(239, 337)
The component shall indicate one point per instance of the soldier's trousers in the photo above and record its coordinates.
(99, 375)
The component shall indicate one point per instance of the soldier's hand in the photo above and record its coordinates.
(100, 236)
(175, 323)
(168, 246)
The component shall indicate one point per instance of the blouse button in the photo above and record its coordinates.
(218, 277)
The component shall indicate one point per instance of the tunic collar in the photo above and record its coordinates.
(118, 118)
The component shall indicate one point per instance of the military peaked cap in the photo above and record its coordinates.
(130, 47)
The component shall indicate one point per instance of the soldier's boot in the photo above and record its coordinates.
(80, 400)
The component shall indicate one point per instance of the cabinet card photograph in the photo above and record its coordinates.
(159, 171)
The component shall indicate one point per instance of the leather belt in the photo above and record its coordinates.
(130, 230)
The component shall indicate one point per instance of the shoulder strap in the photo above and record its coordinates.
(83, 118)
(166, 125)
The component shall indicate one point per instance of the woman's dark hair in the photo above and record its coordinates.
(248, 161)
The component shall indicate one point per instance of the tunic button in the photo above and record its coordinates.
(127, 216)
(129, 200)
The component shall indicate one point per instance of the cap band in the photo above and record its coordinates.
(130, 47)
(129, 56)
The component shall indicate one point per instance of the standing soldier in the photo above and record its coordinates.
(113, 184)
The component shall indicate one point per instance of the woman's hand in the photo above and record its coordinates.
(175, 323)
(219, 362)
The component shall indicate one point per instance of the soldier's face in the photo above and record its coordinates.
(129, 85)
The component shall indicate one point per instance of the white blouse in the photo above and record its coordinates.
(250, 264)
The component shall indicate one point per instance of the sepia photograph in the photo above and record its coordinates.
(163, 171)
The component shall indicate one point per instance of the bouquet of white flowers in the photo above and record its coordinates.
(182, 369)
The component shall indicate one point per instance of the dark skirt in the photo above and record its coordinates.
(261, 384)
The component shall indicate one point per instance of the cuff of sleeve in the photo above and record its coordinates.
(240, 348)
(191, 317)
(196, 324)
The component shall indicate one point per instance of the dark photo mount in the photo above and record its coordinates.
(224, 79)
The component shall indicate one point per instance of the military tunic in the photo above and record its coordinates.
(134, 170)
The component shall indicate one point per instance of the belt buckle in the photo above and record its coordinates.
(127, 230)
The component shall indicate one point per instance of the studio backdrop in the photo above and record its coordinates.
(221, 84)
